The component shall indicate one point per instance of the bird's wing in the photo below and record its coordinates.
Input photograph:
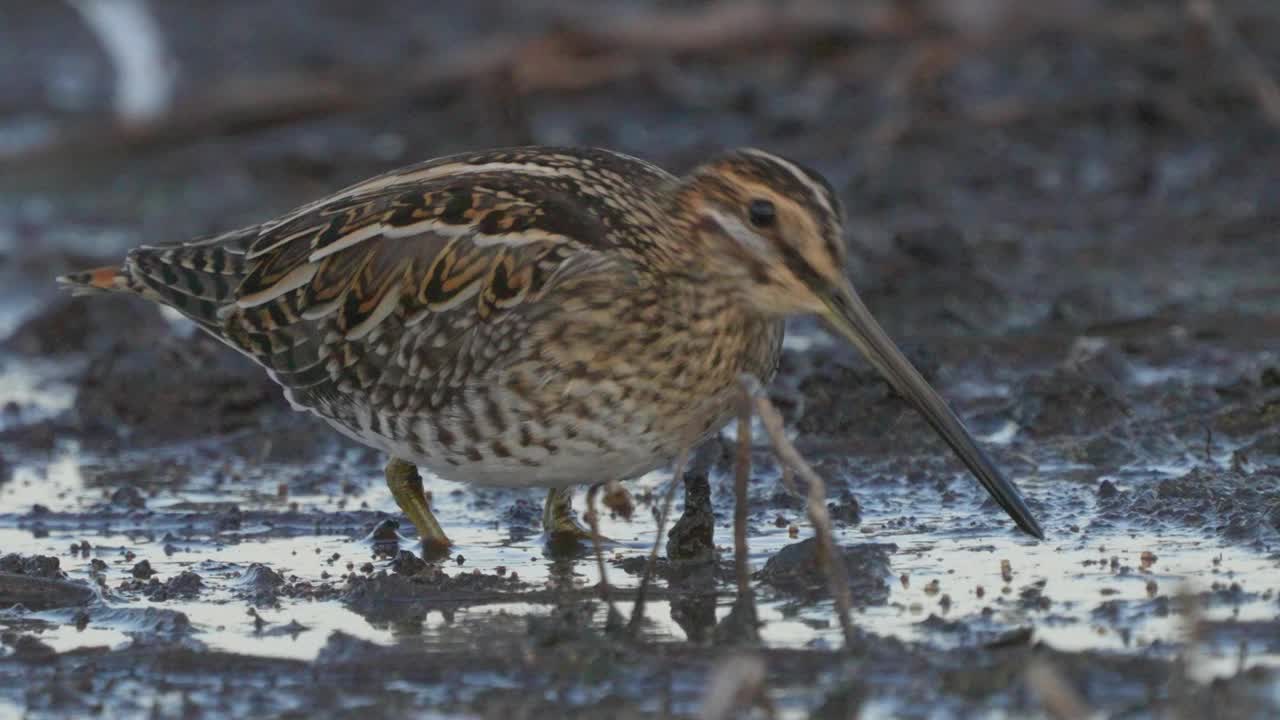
(397, 293)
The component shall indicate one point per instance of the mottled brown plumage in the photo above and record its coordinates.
(530, 316)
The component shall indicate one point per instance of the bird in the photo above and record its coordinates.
(535, 316)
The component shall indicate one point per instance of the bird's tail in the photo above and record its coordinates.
(108, 278)
(197, 279)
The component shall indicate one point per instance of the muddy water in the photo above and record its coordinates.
(1093, 284)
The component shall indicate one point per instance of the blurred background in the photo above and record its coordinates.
(1039, 157)
(1066, 212)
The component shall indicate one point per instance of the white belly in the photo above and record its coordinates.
(576, 462)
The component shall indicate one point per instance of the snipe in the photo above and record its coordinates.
(534, 316)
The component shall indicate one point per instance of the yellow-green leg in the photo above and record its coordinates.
(558, 520)
(406, 488)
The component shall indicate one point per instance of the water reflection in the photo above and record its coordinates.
(1104, 589)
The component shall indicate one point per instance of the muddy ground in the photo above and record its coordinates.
(1067, 219)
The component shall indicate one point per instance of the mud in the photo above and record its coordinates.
(797, 570)
(1069, 228)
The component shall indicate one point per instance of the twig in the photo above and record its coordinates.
(815, 505)
(1184, 665)
(737, 684)
(1060, 700)
(1222, 31)
(677, 478)
(593, 519)
(742, 474)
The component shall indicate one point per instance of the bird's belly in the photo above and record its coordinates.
(574, 414)
(591, 437)
(573, 448)
(566, 470)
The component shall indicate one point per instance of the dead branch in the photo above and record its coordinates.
(677, 478)
(741, 477)
(1059, 698)
(593, 519)
(815, 505)
(736, 685)
(1221, 30)
(1185, 664)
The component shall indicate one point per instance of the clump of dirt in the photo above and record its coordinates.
(28, 648)
(128, 496)
(1254, 423)
(41, 566)
(408, 563)
(796, 570)
(1233, 504)
(36, 582)
(1066, 402)
(176, 389)
(845, 510)
(184, 585)
(259, 584)
(523, 517)
(683, 577)
(387, 596)
(690, 538)
(840, 393)
(73, 325)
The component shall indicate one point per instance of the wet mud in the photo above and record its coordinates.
(1070, 230)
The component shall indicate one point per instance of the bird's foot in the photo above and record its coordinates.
(406, 487)
(561, 525)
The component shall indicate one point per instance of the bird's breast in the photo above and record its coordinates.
(601, 390)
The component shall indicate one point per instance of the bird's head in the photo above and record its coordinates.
(772, 232)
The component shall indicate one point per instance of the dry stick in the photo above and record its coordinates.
(736, 684)
(1059, 699)
(1184, 663)
(816, 505)
(742, 473)
(1223, 33)
(677, 478)
(593, 519)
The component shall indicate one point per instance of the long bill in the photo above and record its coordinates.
(851, 318)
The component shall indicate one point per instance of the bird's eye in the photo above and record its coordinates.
(762, 213)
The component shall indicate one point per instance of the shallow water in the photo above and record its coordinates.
(947, 586)
(1067, 231)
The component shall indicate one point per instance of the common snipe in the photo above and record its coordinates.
(534, 316)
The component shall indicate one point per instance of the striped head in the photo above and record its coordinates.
(771, 229)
